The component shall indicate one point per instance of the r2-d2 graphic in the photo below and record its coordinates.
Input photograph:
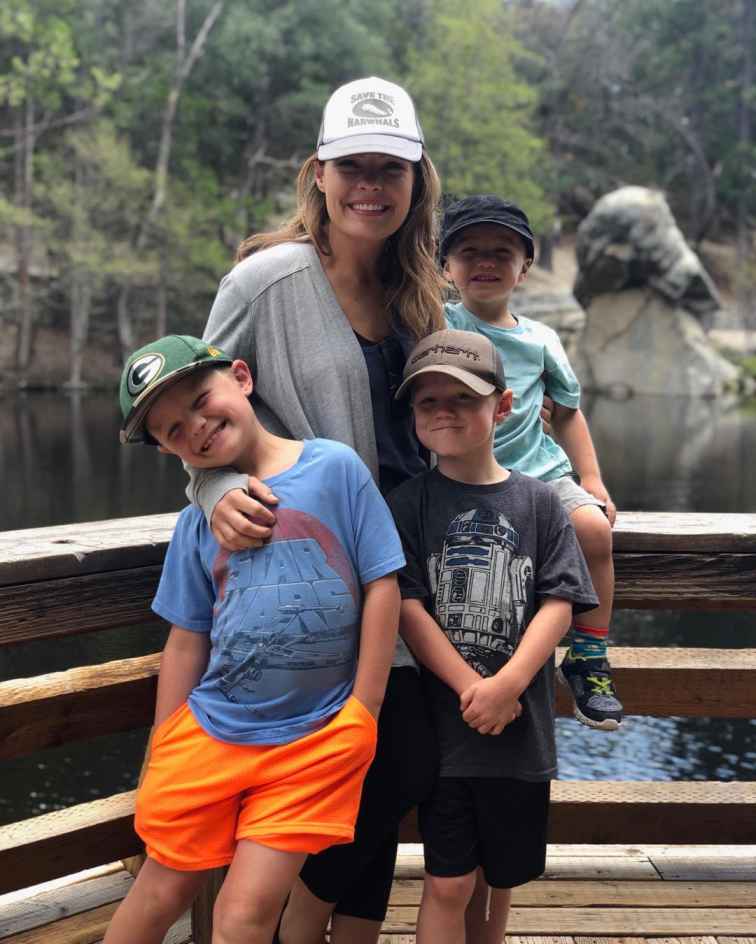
(481, 586)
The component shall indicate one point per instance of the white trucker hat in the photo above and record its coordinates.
(370, 116)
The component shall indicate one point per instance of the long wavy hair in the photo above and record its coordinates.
(414, 289)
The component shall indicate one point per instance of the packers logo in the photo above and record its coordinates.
(143, 371)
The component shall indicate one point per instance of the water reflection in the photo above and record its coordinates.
(60, 462)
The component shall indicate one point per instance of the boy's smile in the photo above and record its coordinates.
(485, 262)
(205, 418)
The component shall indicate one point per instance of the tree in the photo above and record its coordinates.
(93, 190)
(476, 111)
(42, 89)
(185, 61)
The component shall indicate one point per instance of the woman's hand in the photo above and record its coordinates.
(547, 408)
(240, 521)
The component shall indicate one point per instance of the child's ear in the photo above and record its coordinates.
(524, 271)
(446, 273)
(243, 376)
(503, 406)
(319, 176)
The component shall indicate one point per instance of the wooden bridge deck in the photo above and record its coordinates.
(589, 895)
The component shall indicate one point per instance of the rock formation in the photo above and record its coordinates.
(647, 299)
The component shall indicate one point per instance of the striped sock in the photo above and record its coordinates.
(587, 642)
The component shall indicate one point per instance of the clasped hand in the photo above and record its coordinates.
(489, 705)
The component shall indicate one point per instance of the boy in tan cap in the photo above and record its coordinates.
(494, 574)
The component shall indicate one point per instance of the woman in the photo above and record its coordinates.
(324, 310)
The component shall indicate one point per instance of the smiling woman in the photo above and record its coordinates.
(325, 310)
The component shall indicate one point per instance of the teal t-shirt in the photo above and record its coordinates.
(534, 363)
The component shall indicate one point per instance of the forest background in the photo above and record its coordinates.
(140, 141)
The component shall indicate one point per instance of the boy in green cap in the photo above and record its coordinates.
(274, 670)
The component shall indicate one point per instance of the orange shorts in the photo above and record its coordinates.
(200, 795)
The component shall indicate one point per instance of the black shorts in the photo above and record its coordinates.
(358, 876)
(494, 822)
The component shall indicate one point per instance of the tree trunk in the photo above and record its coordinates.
(81, 305)
(24, 173)
(161, 322)
(81, 286)
(184, 65)
(745, 278)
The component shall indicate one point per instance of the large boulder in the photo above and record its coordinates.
(647, 298)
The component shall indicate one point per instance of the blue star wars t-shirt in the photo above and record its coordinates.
(284, 619)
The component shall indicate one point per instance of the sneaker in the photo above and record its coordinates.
(590, 681)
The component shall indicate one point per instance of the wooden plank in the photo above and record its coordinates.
(50, 609)
(697, 865)
(663, 682)
(97, 546)
(54, 709)
(690, 532)
(55, 608)
(89, 928)
(545, 893)
(679, 922)
(602, 922)
(80, 837)
(10, 899)
(685, 581)
(648, 812)
(49, 710)
(54, 904)
(66, 841)
(72, 550)
(643, 812)
(630, 866)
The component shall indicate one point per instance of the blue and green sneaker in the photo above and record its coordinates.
(596, 702)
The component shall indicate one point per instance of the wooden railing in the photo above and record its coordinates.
(73, 579)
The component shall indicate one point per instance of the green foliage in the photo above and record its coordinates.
(476, 109)
(37, 44)
(94, 191)
(549, 103)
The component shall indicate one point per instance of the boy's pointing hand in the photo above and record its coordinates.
(490, 705)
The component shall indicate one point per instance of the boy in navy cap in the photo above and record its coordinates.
(486, 249)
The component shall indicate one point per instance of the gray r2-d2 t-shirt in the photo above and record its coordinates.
(482, 558)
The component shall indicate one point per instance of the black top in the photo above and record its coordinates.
(400, 455)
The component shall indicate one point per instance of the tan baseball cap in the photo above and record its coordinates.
(465, 355)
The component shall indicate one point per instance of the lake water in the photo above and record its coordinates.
(60, 462)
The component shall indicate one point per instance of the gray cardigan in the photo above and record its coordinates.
(277, 311)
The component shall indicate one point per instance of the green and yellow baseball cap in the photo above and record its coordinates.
(155, 367)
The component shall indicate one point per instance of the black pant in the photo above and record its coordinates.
(358, 876)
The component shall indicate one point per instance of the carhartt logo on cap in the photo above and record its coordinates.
(464, 355)
(143, 371)
(446, 349)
